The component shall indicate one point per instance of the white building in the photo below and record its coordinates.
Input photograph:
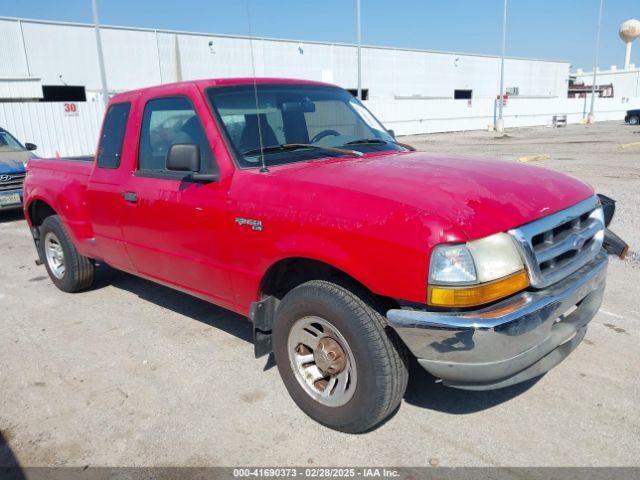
(625, 82)
(58, 54)
(49, 69)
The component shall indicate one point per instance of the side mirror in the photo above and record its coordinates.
(392, 133)
(183, 157)
(30, 146)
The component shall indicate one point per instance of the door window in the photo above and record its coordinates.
(166, 122)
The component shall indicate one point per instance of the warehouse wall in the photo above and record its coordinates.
(409, 117)
(626, 83)
(136, 58)
(55, 131)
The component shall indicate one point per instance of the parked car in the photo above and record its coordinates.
(288, 202)
(13, 156)
(632, 117)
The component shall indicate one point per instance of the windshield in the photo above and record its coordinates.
(295, 114)
(8, 143)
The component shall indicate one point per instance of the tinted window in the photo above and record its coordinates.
(115, 125)
(334, 116)
(166, 122)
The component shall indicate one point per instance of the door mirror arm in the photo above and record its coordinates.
(204, 177)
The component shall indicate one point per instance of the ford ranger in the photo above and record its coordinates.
(289, 203)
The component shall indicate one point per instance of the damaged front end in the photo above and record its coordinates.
(613, 244)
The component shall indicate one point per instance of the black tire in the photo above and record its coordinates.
(635, 120)
(381, 358)
(78, 271)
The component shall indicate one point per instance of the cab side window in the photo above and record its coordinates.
(166, 122)
(115, 125)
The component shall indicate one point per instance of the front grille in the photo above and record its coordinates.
(11, 182)
(557, 245)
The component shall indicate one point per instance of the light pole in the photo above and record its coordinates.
(590, 118)
(103, 75)
(359, 30)
(499, 126)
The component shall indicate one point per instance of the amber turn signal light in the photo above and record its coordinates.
(474, 295)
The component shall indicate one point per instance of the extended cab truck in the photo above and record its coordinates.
(13, 157)
(288, 202)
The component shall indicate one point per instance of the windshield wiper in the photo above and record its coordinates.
(364, 141)
(298, 146)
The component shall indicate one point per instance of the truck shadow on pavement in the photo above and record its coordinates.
(422, 390)
(9, 466)
(176, 301)
(8, 216)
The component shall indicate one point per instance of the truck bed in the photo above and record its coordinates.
(63, 183)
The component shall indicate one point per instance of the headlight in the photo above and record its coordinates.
(452, 264)
(495, 257)
(475, 273)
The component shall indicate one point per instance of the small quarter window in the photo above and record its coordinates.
(115, 125)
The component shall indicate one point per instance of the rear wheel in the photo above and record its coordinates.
(635, 120)
(340, 363)
(68, 270)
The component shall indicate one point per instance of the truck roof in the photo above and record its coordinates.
(210, 82)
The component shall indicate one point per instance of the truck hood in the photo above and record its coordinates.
(480, 196)
(13, 161)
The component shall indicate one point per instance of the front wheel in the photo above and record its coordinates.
(340, 363)
(635, 120)
(68, 270)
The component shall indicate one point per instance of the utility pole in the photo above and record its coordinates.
(359, 29)
(499, 126)
(103, 74)
(591, 116)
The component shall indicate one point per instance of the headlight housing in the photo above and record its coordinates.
(475, 273)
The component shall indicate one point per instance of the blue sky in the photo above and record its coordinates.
(556, 29)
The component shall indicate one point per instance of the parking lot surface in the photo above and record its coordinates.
(131, 373)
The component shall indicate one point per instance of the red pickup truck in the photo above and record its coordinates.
(288, 202)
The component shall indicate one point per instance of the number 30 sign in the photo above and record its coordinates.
(70, 109)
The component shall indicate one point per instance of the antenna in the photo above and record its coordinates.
(264, 168)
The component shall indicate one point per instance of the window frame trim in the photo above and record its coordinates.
(170, 174)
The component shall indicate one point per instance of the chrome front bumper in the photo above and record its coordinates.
(508, 342)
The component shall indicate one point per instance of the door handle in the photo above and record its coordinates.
(130, 197)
